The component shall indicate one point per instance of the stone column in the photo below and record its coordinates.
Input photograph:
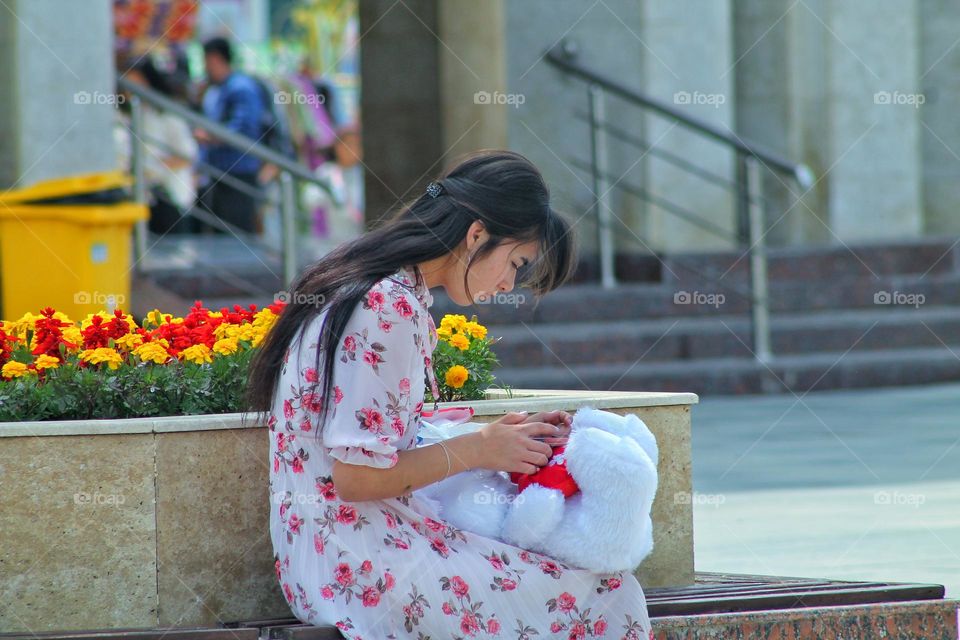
(57, 101)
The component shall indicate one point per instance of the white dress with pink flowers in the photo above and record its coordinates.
(392, 568)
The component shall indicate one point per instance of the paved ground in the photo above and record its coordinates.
(839, 484)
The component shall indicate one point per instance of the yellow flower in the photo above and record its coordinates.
(456, 376)
(226, 330)
(101, 355)
(444, 332)
(453, 321)
(460, 341)
(226, 346)
(197, 354)
(475, 329)
(14, 369)
(44, 361)
(20, 327)
(72, 335)
(130, 341)
(153, 352)
(156, 318)
(265, 318)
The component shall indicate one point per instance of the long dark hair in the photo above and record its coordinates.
(502, 189)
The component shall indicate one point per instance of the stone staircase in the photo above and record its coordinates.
(842, 317)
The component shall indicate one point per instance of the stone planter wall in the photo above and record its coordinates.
(147, 522)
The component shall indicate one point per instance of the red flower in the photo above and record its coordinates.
(366, 566)
(295, 522)
(310, 375)
(328, 490)
(440, 546)
(326, 592)
(391, 521)
(496, 562)
(372, 419)
(493, 625)
(405, 385)
(375, 300)
(398, 426)
(599, 627)
(566, 602)
(297, 464)
(305, 424)
(400, 544)
(371, 597)
(346, 514)
(508, 584)
(389, 581)
(460, 588)
(549, 566)
(577, 630)
(613, 583)
(343, 574)
(556, 627)
(433, 525)
(372, 358)
(447, 609)
(337, 395)
(288, 592)
(403, 307)
(287, 409)
(350, 343)
(282, 442)
(469, 624)
(312, 402)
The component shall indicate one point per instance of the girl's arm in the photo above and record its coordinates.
(504, 445)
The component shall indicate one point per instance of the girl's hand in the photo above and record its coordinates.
(509, 444)
(558, 418)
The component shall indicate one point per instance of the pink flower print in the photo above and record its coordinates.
(440, 546)
(556, 627)
(327, 489)
(297, 464)
(372, 419)
(460, 588)
(295, 523)
(405, 385)
(305, 424)
(469, 624)
(566, 602)
(599, 627)
(287, 409)
(375, 300)
(385, 326)
(312, 402)
(496, 562)
(276, 567)
(447, 609)
(366, 566)
(613, 583)
(391, 521)
(310, 375)
(346, 514)
(288, 592)
(318, 543)
(343, 575)
(398, 426)
(403, 307)
(276, 464)
(371, 597)
(282, 442)
(508, 584)
(549, 566)
(372, 358)
(389, 581)
(337, 395)
(350, 343)
(577, 630)
(493, 625)
(432, 524)
(326, 592)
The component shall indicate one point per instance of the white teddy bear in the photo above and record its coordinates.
(604, 527)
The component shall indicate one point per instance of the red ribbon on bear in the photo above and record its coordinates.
(553, 475)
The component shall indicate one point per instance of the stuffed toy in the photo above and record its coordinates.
(589, 507)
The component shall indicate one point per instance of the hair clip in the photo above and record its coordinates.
(434, 189)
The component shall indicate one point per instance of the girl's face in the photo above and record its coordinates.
(490, 275)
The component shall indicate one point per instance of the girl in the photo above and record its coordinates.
(341, 378)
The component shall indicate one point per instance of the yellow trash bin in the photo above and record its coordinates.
(66, 244)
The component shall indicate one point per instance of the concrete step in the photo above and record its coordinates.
(549, 344)
(721, 376)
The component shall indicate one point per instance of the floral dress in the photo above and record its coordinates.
(393, 568)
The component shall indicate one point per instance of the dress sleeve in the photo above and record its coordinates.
(377, 390)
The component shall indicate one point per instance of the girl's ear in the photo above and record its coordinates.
(474, 232)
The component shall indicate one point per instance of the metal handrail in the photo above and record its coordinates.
(564, 61)
(290, 170)
(748, 187)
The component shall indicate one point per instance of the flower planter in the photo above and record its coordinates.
(163, 521)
